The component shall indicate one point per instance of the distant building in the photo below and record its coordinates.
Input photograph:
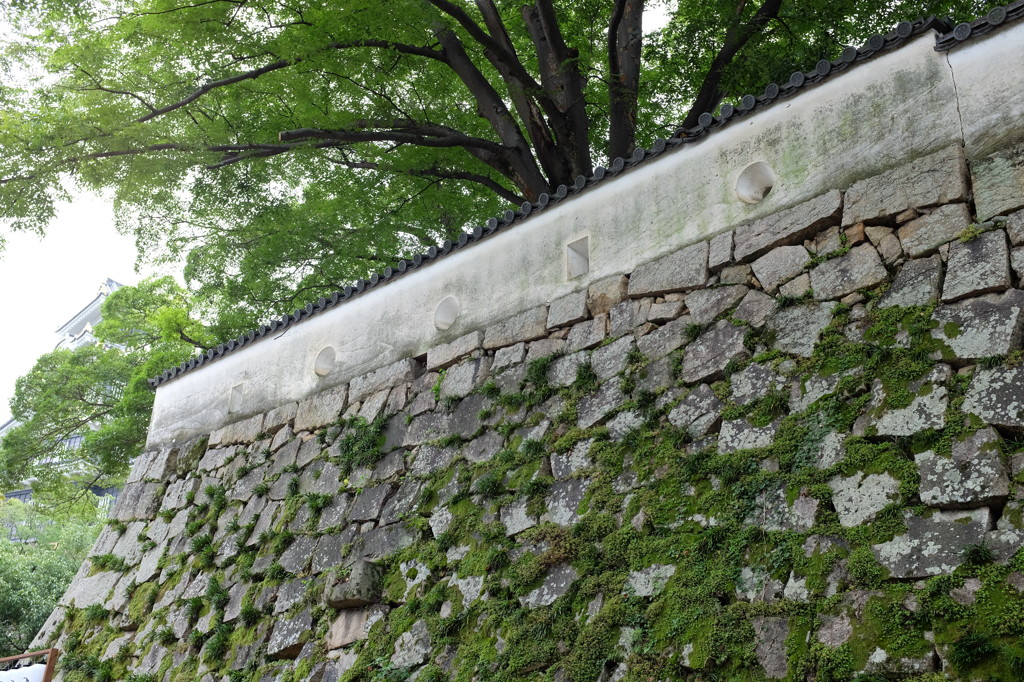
(74, 333)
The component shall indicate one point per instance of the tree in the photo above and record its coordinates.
(84, 412)
(285, 149)
(39, 556)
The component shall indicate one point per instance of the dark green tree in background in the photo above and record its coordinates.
(284, 149)
(84, 412)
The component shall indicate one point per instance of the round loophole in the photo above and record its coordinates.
(446, 312)
(324, 363)
(755, 182)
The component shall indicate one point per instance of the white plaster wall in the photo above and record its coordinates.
(875, 116)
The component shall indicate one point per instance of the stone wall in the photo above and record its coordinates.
(790, 451)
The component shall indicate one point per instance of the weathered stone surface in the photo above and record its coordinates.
(755, 308)
(798, 328)
(939, 178)
(360, 587)
(574, 461)
(927, 409)
(979, 266)
(770, 645)
(627, 315)
(542, 348)
(289, 635)
(482, 449)
(790, 226)
(568, 309)
(413, 647)
(754, 585)
(698, 412)
(998, 182)
(505, 357)
(446, 354)
(679, 271)
(526, 326)
(917, 283)
(515, 518)
(995, 396)
(556, 583)
(463, 378)
(973, 476)
(773, 511)
(779, 266)
(859, 498)
(136, 501)
(881, 662)
(650, 581)
(860, 268)
(353, 625)
(609, 360)
(664, 312)
(383, 541)
(930, 231)
(321, 409)
(587, 334)
(739, 434)
(707, 304)
(296, 558)
(596, 406)
(982, 327)
(720, 251)
(603, 294)
(564, 499)
(933, 544)
(664, 339)
(754, 382)
(707, 357)
(736, 274)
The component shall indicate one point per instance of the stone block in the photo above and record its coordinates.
(859, 498)
(650, 581)
(998, 182)
(680, 271)
(278, 417)
(772, 511)
(243, 431)
(289, 635)
(796, 287)
(556, 583)
(770, 634)
(360, 587)
(464, 378)
(927, 408)
(368, 504)
(447, 354)
(973, 476)
(563, 501)
(707, 304)
(698, 412)
(787, 227)
(934, 543)
(587, 334)
(1017, 264)
(507, 357)
(995, 396)
(706, 358)
(353, 625)
(296, 558)
(939, 178)
(385, 377)
(568, 309)
(755, 308)
(604, 294)
(664, 312)
(607, 361)
(484, 448)
(779, 265)
(798, 328)
(413, 647)
(515, 518)
(981, 265)
(860, 268)
(1015, 228)
(627, 315)
(321, 409)
(526, 326)
(736, 274)
(755, 382)
(929, 232)
(890, 249)
(982, 327)
(137, 501)
(739, 434)
(720, 251)
(917, 283)
(665, 339)
(542, 348)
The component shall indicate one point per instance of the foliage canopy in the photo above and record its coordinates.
(284, 149)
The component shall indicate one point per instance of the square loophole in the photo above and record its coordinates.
(235, 399)
(577, 257)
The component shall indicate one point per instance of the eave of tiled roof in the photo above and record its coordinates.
(949, 36)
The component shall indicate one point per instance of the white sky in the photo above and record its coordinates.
(45, 281)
